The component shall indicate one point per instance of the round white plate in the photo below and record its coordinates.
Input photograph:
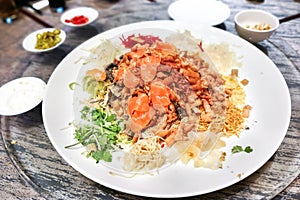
(267, 122)
(21, 95)
(30, 40)
(208, 12)
(90, 13)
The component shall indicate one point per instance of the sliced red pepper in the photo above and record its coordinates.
(79, 19)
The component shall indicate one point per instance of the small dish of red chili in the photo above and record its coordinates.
(80, 16)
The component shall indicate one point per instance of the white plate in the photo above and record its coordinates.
(268, 121)
(209, 12)
(30, 40)
(90, 13)
(21, 95)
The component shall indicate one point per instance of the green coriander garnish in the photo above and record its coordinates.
(99, 135)
(248, 149)
(238, 149)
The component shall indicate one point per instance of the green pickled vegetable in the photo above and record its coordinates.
(47, 39)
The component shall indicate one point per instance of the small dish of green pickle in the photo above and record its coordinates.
(44, 40)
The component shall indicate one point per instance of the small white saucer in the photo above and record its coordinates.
(30, 40)
(90, 13)
(207, 12)
(21, 95)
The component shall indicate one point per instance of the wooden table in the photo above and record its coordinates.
(32, 169)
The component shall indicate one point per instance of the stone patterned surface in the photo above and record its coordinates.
(32, 169)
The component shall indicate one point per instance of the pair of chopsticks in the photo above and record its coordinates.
(285, 19)
(35, 18)
(26, 4)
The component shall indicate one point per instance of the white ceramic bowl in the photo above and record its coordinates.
(21, 95)
(209, 12)
(245, 21)
(89, 13)
(30, 40)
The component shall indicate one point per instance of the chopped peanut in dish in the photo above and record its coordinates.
(259, 27)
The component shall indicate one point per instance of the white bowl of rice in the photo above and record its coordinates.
(255, 25)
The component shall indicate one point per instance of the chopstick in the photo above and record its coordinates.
(285, 19)
(35, 18)
(26, 4)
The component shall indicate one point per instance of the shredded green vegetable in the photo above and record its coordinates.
(94, 87)
(72, 85)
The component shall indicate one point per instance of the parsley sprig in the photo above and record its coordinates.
(238, 149)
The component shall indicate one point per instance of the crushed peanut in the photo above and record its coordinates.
(259, 27)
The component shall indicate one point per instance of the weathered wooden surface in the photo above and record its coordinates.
(32, 169)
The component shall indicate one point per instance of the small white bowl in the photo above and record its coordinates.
(246, 18)
(21, 95)
(30, 40)
(209, 12)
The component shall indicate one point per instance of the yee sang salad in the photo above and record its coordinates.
(149, 102)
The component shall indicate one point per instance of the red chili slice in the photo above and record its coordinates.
(79, 19)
